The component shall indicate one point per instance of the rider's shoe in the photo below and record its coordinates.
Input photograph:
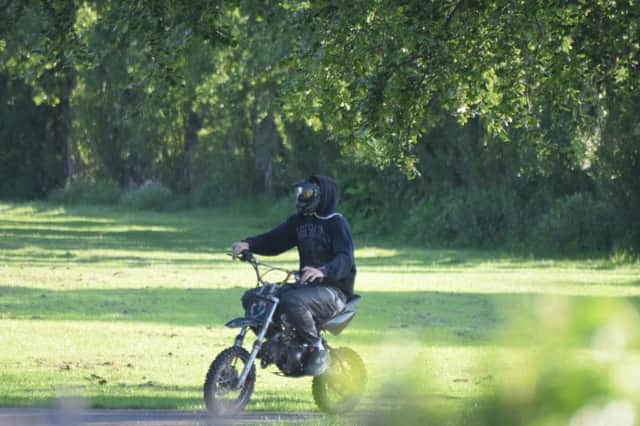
(317, 362)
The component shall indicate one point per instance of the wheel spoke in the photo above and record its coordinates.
(222, 396)
(336, 389)
(340, 389)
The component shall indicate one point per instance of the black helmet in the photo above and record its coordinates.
(307, 196)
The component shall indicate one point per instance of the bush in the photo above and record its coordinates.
(210, 193)
(178, 202)
(470, 217)
(371, 203)
(582, 371)
(420, 225)
(86, 191)
(623, 255)
(150, 196)
(576, 224)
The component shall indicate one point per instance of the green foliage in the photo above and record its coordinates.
(209, 194)
(381, 71)
(618, 163)
(373, 201)
(402, 102)
(30, 163)
(576, 224)
(86, 191)
(559, 385)
(150, 196)
(368, 208)
(621, 255)
(222, 176)
(475, 217)
(577, 366)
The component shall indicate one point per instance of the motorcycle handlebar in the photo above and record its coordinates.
(247, 256)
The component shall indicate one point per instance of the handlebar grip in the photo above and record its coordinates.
(246, 256)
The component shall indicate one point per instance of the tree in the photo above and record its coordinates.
(140, 100)
(384, 73)
(38, 49)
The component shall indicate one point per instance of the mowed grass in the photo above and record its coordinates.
(128, 309)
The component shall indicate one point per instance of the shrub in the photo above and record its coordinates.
(86, 191)
(150, 196)
(178, 202)
(371, 205)
(576, 224)
(420, 225)
(469, 217)
(623, 255)
(210, 193)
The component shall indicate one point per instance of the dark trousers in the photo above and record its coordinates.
(304, 305)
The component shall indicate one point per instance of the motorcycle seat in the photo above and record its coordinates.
(351, 302)
(340, 321)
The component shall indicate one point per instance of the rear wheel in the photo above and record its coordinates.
(221, 395)
(340, 388)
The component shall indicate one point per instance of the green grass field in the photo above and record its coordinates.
(127, 309)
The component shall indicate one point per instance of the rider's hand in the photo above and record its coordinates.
(238, 247)
(310, 274)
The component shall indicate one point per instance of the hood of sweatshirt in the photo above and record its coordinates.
(328, 194)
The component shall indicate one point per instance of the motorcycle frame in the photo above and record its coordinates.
(247, 256)
(257, 344)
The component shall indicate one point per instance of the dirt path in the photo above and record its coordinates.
(77, 417)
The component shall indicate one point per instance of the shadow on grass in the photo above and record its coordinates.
(114, 229)
(193, 400)
(70, 259)
(113, 401)
(135, 240)
(47, 228)
(436, 318)
(189, 397)
(200, 238)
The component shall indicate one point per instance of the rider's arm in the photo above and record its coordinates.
(278, 240)
(342, 263)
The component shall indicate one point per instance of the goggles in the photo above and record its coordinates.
(306, 192)
(307, 196)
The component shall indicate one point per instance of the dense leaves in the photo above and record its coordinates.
(479, 119)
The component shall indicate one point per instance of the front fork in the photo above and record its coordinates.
(257, 344)
(240, 336)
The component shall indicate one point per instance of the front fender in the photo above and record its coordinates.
(242, 322)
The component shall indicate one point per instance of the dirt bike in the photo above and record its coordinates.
(231, 377)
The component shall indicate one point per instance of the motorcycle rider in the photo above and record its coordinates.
(327, 265)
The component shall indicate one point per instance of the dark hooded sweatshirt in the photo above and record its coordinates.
(323, 239)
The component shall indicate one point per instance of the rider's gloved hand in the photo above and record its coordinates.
(238, 247)
(310, 274)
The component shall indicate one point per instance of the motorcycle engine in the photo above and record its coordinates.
(286, 352)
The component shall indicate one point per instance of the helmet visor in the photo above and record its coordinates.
(305, 193)
(307, 197)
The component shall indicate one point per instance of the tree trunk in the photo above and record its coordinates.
(192, 124)
(267, 142)
(65, 107)
(60, 39)
(57, 153)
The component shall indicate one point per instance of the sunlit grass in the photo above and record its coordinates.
(127, 309)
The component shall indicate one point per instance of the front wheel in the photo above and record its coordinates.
(340, 388)
(221, 395)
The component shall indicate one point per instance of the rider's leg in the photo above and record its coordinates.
(303, 306)
(306, 304)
